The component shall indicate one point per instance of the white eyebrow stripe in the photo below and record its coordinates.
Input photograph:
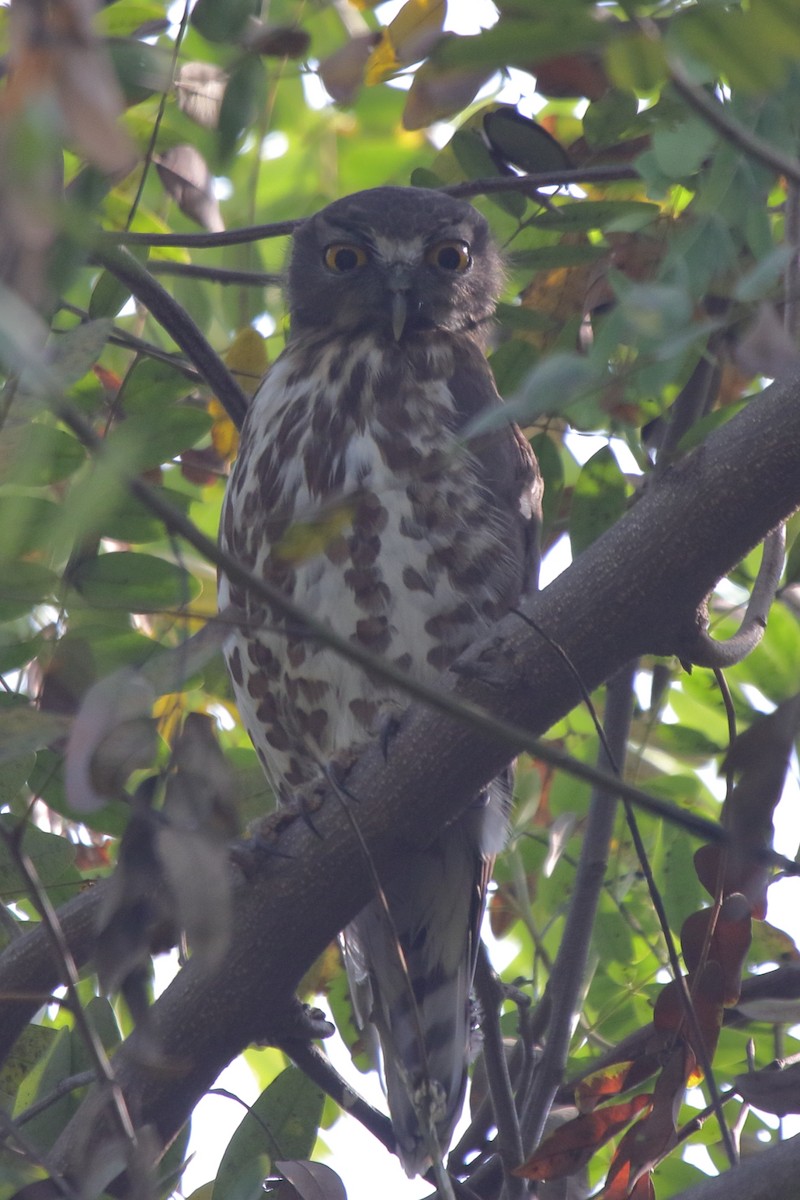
(397, 250)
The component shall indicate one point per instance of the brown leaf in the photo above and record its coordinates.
(767, 348)
(342, 72)
(199, 88)
(601, 1084)
(276, 41)
(573, 1143)
(653, 1136)
(108, 737)
(727, 945)
(580, 74)
(438, 92)
(312, 1181)
(775, 1089)
(185, 175)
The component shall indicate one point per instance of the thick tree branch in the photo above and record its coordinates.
(637, 590)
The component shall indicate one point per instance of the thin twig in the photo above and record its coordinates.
(178, 324)
(319, 1069)
(102, 1069)
(706, 651)
(62, 1088)
(216, 274)
(162, 105)
(515, 737)
(471, 187)
(422, 1110)
(34, 1155)
(490, 995)
(567, 978)
(719, 118)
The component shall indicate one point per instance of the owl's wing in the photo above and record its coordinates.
(423, 1015)
(508, 467)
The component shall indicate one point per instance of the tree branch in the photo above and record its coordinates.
(636, 590)
(178, 324)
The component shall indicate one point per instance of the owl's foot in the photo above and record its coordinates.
(389, 729)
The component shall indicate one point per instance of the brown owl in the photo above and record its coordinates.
(355, 492)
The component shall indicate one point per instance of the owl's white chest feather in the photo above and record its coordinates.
(377, 569)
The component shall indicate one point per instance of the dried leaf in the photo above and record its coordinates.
(199, 88)
(116, 706)
(573, 1144)
(766, 347)
(136, 916)
(312, 1181)
(601, 1084)
(437, 92)
(276, 41)
(776, 1089)
(185, 175)
(572, 75)
(342, 72)
(410, 37)
(727, 946)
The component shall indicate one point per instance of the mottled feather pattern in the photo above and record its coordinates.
(358, 430)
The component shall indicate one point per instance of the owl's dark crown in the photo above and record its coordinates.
(399, 262)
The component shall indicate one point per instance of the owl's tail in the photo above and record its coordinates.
(419, 1003)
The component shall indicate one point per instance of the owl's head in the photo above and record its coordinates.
(399, 261)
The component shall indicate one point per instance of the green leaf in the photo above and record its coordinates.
(30, 1046)
(23, 586)
(24, 729)
(24, 524)
(637, 62)
(109, 295)
(38, 455)
(141, 69)
(162, 432)
(606, 119)
(552, 469)
(52, 855)
(133, 582)
(596, 214)
(222, 22)
(599, 499)
(523, 142)
(282, 1124)
(245, 95)
(680, 150)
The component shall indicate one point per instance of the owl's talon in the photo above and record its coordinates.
(249, 853)
(389, 730)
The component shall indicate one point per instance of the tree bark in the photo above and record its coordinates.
(640, 589)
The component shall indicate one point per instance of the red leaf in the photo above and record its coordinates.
(573, 1144)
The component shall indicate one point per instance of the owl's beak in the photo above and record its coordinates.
(398, 282)
(399, 313)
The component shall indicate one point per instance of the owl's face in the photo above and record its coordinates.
(402, 262)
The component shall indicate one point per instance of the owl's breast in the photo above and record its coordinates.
(378, 524)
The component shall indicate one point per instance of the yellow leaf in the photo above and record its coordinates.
(247, 359)
(410, 37)
(224, 434)
(381, 63)
(304, 540)
(168, 711)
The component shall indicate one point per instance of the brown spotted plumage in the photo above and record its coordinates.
(356, 494)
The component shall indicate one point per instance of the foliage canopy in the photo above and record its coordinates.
(650, 218)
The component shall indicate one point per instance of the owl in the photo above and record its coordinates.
(357, 492)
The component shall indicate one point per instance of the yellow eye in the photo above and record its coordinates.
(450, 256)
(344, 256)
